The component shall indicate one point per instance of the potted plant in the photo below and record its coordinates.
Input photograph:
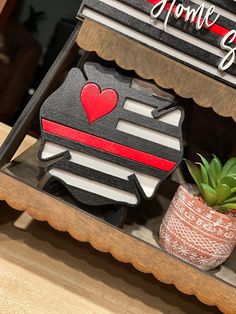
(200, 225)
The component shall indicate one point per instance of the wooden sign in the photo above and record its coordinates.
(112, 141)
(199, 34)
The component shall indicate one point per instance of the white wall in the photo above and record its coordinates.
(55, 10)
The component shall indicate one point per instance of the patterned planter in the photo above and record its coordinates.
(195, 232)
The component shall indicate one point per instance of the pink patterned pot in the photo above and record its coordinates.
(195, 232)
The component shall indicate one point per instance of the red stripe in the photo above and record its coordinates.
(108, 146)
(216, 29)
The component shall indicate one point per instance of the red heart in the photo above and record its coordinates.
(96, 103)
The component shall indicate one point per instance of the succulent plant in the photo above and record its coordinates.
(216, 182)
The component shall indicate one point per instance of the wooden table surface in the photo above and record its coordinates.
(45, 271)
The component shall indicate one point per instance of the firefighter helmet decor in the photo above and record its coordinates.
(113, 143)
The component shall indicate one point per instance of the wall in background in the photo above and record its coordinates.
(55, 10)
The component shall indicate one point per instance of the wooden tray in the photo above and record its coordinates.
(137, 245)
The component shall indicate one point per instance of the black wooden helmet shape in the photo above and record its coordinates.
(116, 143)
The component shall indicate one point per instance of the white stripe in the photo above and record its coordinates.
(148, 134)
(159, 25)
(223, 12)
(94, 187)
(147, 182)
(172, 117)
(140, 108)
(158, 45)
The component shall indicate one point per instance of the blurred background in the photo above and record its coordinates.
(32, 33)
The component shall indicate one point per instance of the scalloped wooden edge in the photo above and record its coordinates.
(125, 248)
(149, 64)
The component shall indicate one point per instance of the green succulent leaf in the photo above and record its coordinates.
(215, 171)
(218, 167)
(223, 192)
(209, 194)
(233, 190)
(217, 183)
(205, 162)
(204, 174)
(230, 200)
(213, 174)
(195, 172)
(229, 180)
(232, 170)
(228, 165)
(229, 206)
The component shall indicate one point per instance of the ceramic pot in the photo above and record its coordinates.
(195, 232)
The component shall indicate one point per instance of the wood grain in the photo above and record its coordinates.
(44, 271)
(122, 246)
(28, 141)
(150, 65)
